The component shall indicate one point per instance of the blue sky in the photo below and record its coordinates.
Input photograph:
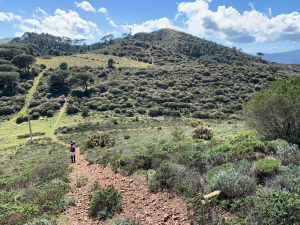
(266, 26)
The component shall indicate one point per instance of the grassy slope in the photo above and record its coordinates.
(92, 60)
(9, 130)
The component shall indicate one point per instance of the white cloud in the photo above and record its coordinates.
(231, 25)
(6, 16)
(42, 11)
(270, 12)
(102, 10)
(150, 25)
(85, 6)
(62, 23)
(251, 5)
(112, 23)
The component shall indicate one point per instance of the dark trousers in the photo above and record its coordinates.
(72, 158)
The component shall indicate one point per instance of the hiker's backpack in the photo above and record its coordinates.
(73, 149)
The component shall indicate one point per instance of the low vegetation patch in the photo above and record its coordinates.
(105, 203)
(33, 181)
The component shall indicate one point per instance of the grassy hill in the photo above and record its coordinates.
(142, 116)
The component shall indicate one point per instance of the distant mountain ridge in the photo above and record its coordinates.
(291, 57)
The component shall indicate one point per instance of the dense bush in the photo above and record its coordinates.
(288, 154)
(288, 179)
(269, 111)
(105, 203)
(102, 140)
(196, 123)
(266, 165)
(217, 169)
(232, 182)
(72, 109)
(21, 119)
(202, 132)
(269, 207)
(177, 178)
(50, 113)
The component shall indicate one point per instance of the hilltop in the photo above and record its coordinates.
(165, 72)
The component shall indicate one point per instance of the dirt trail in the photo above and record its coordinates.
(138, 201)
(57, 120)
(149, 52)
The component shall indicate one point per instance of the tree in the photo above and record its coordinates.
(110, 62)
(260, 54)
(8, 53)
(275, 113)
(23, 61)
(2, 61)
(107, 38)
(8, 68)
(81, 79)
(63, 66)
(59, 77)
(9, 79)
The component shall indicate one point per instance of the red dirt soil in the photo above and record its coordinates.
(138, 201)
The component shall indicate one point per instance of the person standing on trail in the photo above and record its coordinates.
(72, 152)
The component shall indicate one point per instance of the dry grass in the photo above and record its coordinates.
(92, 60)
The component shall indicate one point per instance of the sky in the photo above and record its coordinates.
(266, 26)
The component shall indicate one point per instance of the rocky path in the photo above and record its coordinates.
(138, 201)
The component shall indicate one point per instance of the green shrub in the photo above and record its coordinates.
(105, 203)
(288, 154)
(126, 221)
(102, 140)
(266, 165)
(85, 111)
(269, 207)
(95, 186)
(288, 179)
(63, 66)
(273, 68)
(216, 170)
(244, 146)
(130, 163)
(202, 132)
(178, 134)
(232, 182)
(214, 158)
(176, 178)
(72, 109)
(50, 196)
(41, 222)
(21, 119)
(196, 123)
(81, 181)
(269, 111)
(201, 115)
